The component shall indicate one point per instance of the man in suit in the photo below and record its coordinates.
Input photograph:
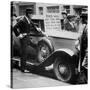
(65, 20)
(21, 28)
(69, 26)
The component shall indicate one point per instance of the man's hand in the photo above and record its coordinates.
(22, 35)
(39, 29)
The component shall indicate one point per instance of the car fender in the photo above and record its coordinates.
(66, 50)
(64, 53)
(49, 42)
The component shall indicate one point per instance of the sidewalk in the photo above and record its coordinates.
(31, 80)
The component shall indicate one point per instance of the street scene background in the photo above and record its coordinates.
(50, 19)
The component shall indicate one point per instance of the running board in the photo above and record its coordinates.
(18, 59)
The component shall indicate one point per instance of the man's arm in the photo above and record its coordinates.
(16, 29)
(34, 27)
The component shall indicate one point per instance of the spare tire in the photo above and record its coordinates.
(45, 48)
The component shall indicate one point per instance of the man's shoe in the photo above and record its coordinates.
(25, 71)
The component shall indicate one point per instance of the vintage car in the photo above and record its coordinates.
(50, 49)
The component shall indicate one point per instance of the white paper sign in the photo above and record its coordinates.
(52, 22)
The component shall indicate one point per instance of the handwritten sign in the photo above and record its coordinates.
(52, 22)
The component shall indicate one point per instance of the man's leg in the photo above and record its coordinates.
(23, 55)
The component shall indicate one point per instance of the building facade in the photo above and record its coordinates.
(48, 15)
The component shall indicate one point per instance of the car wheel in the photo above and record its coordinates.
(44, 50)
(63, 70)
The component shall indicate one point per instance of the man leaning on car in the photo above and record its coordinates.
(23, 27)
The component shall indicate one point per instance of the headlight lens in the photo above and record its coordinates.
(77, 45)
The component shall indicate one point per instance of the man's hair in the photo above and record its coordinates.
(64, 12)
(29, 11)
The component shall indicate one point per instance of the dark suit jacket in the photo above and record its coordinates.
(69, 27)
(22, 26)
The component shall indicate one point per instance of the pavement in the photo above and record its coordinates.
(34, 80)
(44, 78)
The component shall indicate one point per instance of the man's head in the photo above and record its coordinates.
(71, 18)
(64, 14)
(84, 17)
(29, 12)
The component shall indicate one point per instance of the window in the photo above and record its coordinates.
(53, 9)
(67, 8)
(40, 10)
(22, 9)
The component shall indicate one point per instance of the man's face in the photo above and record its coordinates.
(30, 15)
(64, 16)
(72, 19)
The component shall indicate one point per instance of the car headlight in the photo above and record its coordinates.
(77, 45)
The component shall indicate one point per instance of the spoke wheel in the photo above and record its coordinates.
(43, 52)
(63, 70)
